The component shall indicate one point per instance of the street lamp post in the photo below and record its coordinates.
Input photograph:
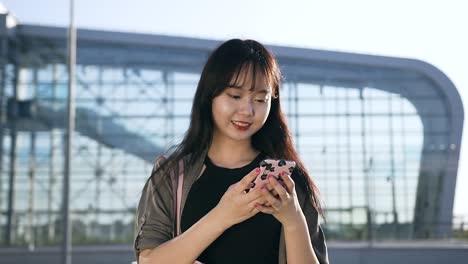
(67, 234)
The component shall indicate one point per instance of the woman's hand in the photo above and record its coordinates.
(281, 201)
(236, 205)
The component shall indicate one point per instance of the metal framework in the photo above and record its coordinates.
(354, 119)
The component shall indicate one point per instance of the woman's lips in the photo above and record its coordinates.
(243, 126)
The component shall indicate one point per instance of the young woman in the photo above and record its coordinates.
(236, 122)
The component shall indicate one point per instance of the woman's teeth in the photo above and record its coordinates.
(242, 124)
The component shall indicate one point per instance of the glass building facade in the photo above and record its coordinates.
(379, 135)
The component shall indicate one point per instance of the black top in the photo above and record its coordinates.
(256, 240)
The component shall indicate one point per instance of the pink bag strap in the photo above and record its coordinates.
(180, 185)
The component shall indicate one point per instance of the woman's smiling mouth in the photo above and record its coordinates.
(241, 125)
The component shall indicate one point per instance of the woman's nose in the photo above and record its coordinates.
(246, 108)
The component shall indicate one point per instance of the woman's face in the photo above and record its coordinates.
(239, 113)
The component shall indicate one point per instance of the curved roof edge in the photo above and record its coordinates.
(426, 69)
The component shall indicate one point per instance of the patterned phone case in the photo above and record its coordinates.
(274, 168)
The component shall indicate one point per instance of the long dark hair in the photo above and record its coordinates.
(273, 139)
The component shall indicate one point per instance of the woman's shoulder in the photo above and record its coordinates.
(177, 164)
(170, 161)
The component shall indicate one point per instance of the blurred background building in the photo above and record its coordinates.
(380, 135)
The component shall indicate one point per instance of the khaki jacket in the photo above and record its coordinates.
(156, 219)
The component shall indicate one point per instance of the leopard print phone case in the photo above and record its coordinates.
(274, 168)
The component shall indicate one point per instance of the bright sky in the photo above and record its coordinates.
(428, 30)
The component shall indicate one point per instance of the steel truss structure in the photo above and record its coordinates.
(380, 135)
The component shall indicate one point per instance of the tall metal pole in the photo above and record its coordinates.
(52, 154)
(31, 235)
(11, 228)
(367, 169)
(32, 178)
(3, 63)
(392, 169)
(66, 250)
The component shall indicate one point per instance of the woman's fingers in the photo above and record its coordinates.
(262, 205)
(245, 183)
(270, 187)
(288, 181)
(278, 187)
(254, 209)
(270, 197)
(265, 209)
(273, 201)
(255, 194)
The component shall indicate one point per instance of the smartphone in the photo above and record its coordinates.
(275, 168)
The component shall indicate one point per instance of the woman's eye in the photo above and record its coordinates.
(234, 96)
(262, 100)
